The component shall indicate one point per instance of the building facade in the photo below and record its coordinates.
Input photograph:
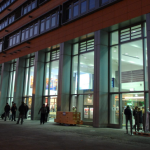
(89, 54)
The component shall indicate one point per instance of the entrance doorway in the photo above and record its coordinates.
(88, 108)
(28, 101)
(52, 102)
(133, 100)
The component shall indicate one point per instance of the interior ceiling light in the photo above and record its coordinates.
(126, 54)
(114, 50)
(142, 97)
(131, 62)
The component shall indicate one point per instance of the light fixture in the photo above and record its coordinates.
(114, 50)
(134, 97)
(131, 62)
(126, 53)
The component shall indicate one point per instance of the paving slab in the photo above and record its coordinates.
(33, 136)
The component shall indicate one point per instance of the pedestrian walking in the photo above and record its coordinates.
(127, 112)
(21, 113)
(7, 110)
(10, 114)
(13, 110)
(47, 113)
(43, 113)
(26, 110)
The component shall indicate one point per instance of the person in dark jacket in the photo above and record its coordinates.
(21, 113)
(135, 112)
(26, 110)
(13, 110)
(47, 113)
(140, 115)
(7, 110)
(127, 112)
(43, 113)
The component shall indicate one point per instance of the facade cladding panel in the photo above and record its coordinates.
(76, 54)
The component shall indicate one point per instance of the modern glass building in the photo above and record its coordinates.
(89, 54)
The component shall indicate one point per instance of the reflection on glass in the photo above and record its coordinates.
(91, 4)
(83, 7)
(10, 84)
(74, 75)
(146, 64)
(31, 78)
(73, 104)
(145, 29)
(86, 72)
(114, 109)
(132, 78)
(114, 65)
(88, 99)
(75, 10)
(75, 48)
(105, 1)
(114, 38)
(47, 78)
(54, 77)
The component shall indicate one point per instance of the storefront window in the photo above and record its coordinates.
(114, 109)
(51, 73)
(82, 79)
(132, 100)
(12, 74)
(114, 38)
(74, 75)
(114, 66)
(86, 74)
(132, 78)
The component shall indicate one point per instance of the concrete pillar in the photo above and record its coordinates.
(64, 77)
(19, 81)
(4, 85)
(100, 114)
(37, 84)
(148, 50)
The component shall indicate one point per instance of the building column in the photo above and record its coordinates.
(37, 92)
(64, 77)
(4, 85)
(100, 114)
(148, 51)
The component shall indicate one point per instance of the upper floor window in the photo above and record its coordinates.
(5, 4)
(28, 7)
(14, 39)
(42, 1)
(92, 4)
(29, 31)
(1, 44)
(49, 22)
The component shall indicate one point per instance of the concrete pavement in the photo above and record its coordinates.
(33, 136)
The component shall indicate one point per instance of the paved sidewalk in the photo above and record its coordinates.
(50, 136)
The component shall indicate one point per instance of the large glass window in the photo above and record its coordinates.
(128, 71)
(12, 73)
(51, 72)
(132, 78)
(29, 77)
(51, 79)
(82, 79)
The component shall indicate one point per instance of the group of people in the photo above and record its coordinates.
(44, 110)
(138, 116)
(10, 112)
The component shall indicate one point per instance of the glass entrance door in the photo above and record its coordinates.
(133, 100)
(28, 101)
(88, 107)
(52, 102)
